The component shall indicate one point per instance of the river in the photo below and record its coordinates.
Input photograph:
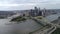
(24, 27)
(4, 29)
(52, 17)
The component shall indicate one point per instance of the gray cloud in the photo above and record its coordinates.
(22, 4)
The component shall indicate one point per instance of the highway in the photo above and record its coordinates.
(52, 18)
(44, 30)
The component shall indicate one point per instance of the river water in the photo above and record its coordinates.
(52, 17)
(23, 28)
(4, 29)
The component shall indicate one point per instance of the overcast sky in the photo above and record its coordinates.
(28, 4)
